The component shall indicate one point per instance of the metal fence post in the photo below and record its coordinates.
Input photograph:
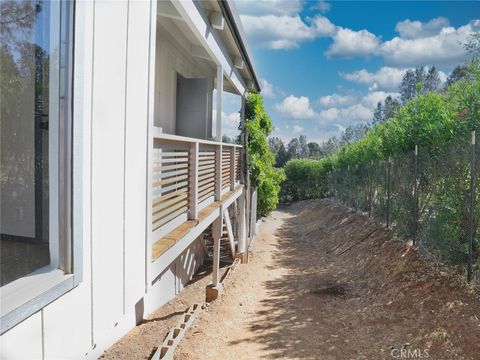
(472, 200)
(415, 195)
(370, 185)
(388, 193)
(349, 196)
(356, 189)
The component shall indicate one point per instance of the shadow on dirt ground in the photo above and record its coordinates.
(349, 292)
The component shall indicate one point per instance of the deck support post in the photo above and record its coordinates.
(242, 238)
(213, 290)
(228, 224)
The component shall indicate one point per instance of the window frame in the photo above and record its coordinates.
(25, 296)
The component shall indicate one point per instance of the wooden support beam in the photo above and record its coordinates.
(216, 20)
(228, 224)
(238, 63)
(166, 9)
(216, 233)
(242, 225)
(200, 52)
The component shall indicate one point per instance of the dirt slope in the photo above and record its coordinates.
(318, 287)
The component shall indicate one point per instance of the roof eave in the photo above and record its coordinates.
(235, 24)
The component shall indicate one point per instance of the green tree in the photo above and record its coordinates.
(261, 159)
(303, 147)
(460, 72)
(282, 156)
(472, 45)
(314, 149)
(293, 148)
(390, 107)
(378, 114)
(275, 143)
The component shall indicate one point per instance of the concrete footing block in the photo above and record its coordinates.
(212, 292)
(242, 256)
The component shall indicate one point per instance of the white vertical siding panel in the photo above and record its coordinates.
(108, 117)
(24, 341)
(136, 150)
(67, 321)
(66, 325)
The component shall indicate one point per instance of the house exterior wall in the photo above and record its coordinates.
(112, 110)
(110, 155)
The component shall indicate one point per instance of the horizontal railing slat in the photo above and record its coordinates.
(169, 196)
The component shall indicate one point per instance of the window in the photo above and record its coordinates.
(35, 127)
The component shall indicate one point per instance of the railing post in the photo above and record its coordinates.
(193, 181)
(471, 214)
(218, 172)
(232, 167)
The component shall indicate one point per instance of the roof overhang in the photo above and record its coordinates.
(234, 23)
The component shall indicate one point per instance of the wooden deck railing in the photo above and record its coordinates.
(187, 175)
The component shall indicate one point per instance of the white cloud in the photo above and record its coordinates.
(297, 128)
(322, 6)
(296, 107)
(277, 24)
(267, 89)
(345, 116)
(285, 32)
(269, 7)
(371, 99)
(384, 78)
(230, 123)
(348, 43)
(336, 100)
(444, 48)
(415, 29)
(358, 109)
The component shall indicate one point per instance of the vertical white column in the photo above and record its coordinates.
(242, 224)
(193, 181)
(218, 129)
(150, 139)
(216, 233)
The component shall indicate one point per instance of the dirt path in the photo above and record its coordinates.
(326, 283)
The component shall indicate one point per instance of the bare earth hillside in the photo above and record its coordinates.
(318, 287)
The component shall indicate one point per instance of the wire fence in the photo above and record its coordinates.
(428, 195)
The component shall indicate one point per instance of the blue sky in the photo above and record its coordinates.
(324, 65)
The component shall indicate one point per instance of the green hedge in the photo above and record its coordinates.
(305, 179)
(432, 120)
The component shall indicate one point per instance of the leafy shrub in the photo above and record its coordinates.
(263, 175)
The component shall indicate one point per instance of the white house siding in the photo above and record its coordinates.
(111, 114)
(174, 278)
(110, 119)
